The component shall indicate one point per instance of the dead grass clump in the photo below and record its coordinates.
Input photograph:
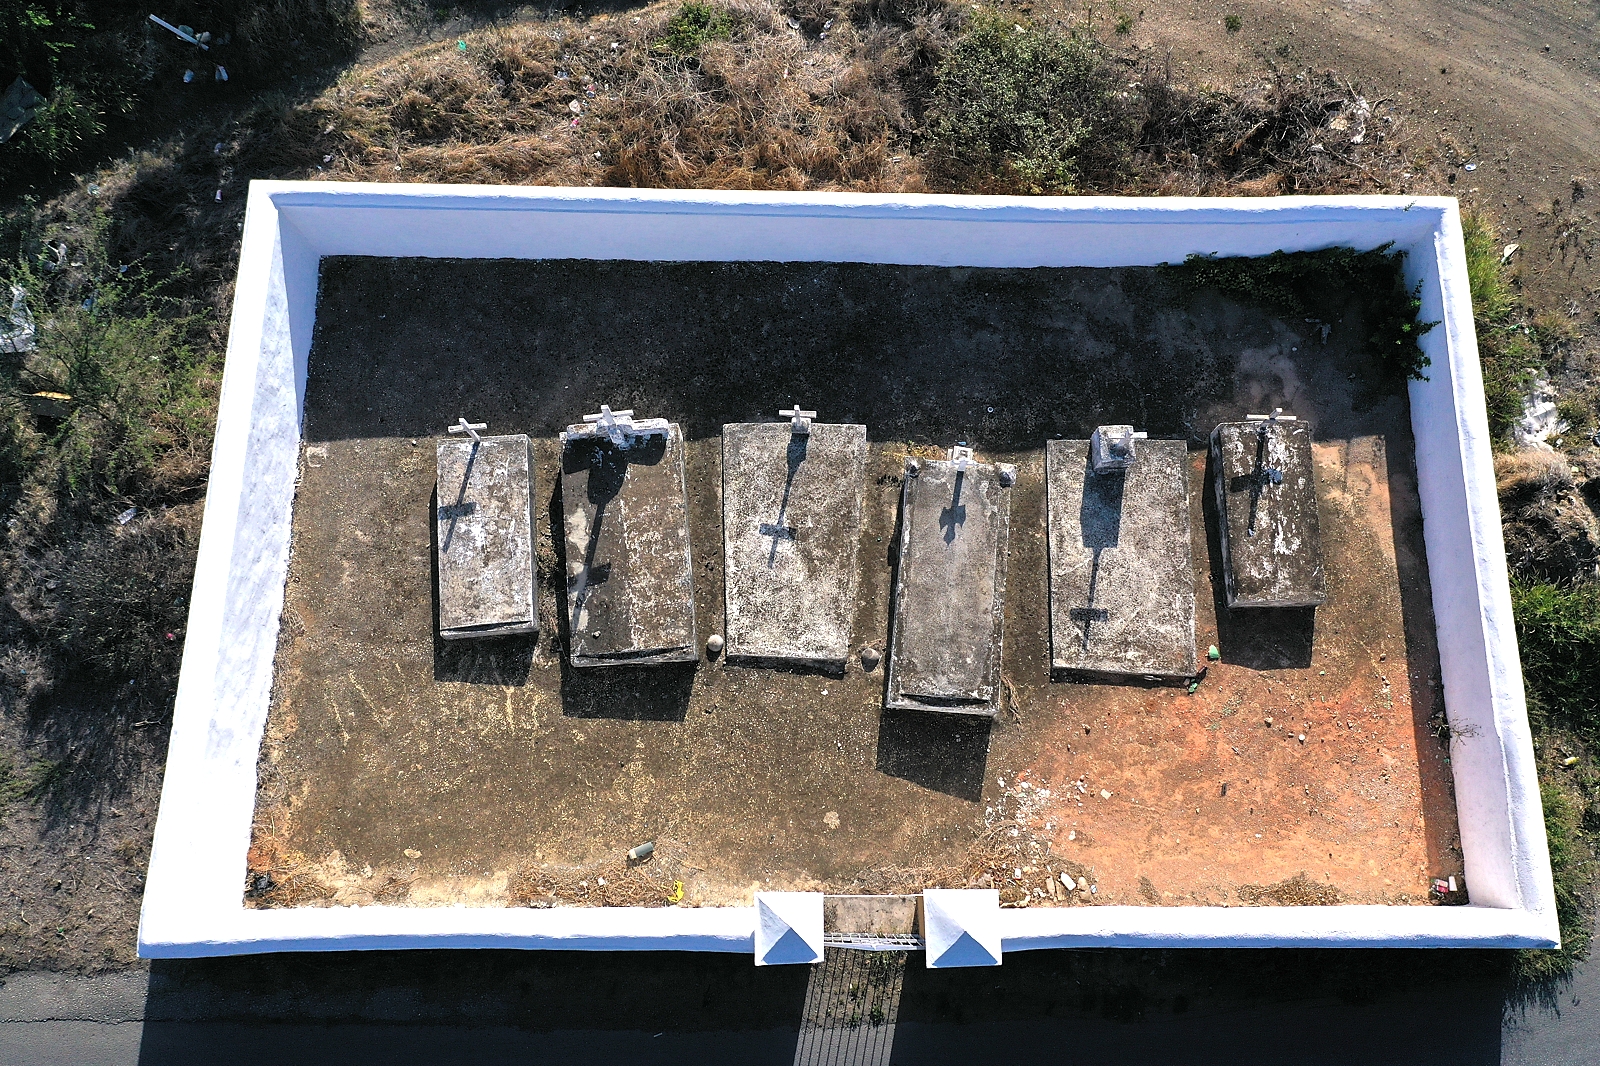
(1300, 134)
(1297, 891)
(1524, 476)
(732, 97)
(615, 884)
(1022, 875)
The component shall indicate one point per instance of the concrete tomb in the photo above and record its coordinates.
(1267, 512)
(791, 527)
(630, 582)
(483, 540)
(950, 585)
(1121, 579)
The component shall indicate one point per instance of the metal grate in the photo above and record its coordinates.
(852, 1002)
(870, 942)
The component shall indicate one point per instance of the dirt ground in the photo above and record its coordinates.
(398, 770)
(1509, 88)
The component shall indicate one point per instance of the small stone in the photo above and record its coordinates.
(413, 853)
(1067, 882)
(871, 657)
(1269, 721)
(831, 819)
(1302, 738)
(1072, 834)
(1105, 795)
(714, 644)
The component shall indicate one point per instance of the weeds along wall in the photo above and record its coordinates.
(193, 901)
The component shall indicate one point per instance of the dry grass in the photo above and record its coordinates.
(814, 96)
(1297, 891)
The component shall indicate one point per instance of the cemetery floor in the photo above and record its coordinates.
(398, 770)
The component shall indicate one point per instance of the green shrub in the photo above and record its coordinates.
(694, 25)
(1558, 630)
(1017, 107)
(1492, 298)
(1299, 284)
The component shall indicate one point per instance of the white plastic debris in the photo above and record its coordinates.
(1511, 250)
(188, 76)
(1539, 420)
(1470, 167)
(127, 516)
(16, 328)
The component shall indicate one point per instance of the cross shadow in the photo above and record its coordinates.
(1100, 523)
(954, 516)
(778, 529)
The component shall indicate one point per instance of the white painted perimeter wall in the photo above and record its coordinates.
(193, 899)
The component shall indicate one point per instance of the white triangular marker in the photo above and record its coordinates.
(961, 926)
(788, 928)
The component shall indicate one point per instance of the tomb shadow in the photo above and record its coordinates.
(1260, 638)
(658, 692)
(788, 666)
(945, 752)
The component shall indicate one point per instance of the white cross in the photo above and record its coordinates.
(799, 421)
(469, 428)
(1277, 415)
(616, 425)
(961, 455)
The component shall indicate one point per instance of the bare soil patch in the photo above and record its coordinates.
(399, 770)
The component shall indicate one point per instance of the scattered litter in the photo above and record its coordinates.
(575, 106)
(412, 853)
(219, 196)
(676, 895)
(1067, 882)
(1195, 684)
(93, 188)
(794, 24)
(216, 149)
(1540, 419)
(328, 158)
(643, 851)
(1072, 834)
(1452, 882)
(188, 76)
(1016, 872)
(461, 46)
(562, 75)
(221, 73)
(1441, 886)
(1302, 738)
(1570, 760)
(1470, 167)
(1511, 250)
(127, 516)
(16, 326)
(600, 881)
(1105, 794)
(1213, 654)
(1094, 890)
(172, 636)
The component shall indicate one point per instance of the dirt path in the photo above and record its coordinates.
(1514, 88)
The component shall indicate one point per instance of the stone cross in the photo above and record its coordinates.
(799, 421)
(616, 425)
(961, 455)
(469, 428)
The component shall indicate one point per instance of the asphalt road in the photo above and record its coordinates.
(1091, 1007)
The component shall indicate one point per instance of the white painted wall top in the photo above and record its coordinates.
(193, 904)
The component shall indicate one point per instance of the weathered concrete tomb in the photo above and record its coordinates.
(950, 585)
(791, 525)
(483, 541)
(1267, 512)
(630, 582)
(1121, 577)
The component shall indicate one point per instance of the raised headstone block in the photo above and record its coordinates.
(1111, 448)
(788, 928)
(961, 927)
(630, 580)
(1121, 575)
(791, 529)
(484, 536)
(950, 584)
(1266, 490)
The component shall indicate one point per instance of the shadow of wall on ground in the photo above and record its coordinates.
(1105, 1007)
